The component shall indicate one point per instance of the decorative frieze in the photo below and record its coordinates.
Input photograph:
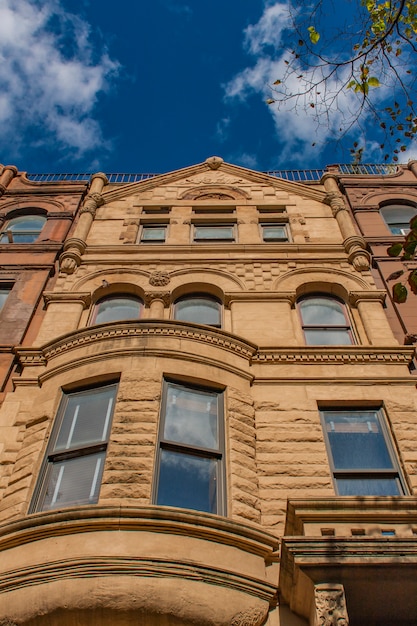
(159, 279)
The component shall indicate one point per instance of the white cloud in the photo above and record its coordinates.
(304, 119)
(51, 77)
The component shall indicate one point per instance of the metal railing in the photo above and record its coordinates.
(307, 175)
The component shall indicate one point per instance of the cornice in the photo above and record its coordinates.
(53, 296)
(228, 249)
(337, 355)
(341, 552)
(155, 518)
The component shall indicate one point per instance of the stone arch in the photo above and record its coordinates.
(35, 206)
(215, 282)
(134, 278)
(214, 192)
(382, 197)
(321, 280)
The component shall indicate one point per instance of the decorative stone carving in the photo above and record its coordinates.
(214, 196)
(330, 605)
(214, 162)
(164, 296)
(159, 279)
(251, 617)
(7, 622)
(336, 202)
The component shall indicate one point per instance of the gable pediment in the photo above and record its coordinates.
(213, 179)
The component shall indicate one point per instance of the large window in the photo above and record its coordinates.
(77, 450)
(324, 321)
(24, 229)
(190, 468)
(397, 218)
(361, 457)
(199, 309)
(117, 308)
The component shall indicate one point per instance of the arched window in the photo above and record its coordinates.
(117, 308)
(324, 321)
(397, 218)
(23, 229)
(200, 309)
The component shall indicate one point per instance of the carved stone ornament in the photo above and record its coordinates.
(7, 622)
(251, 617)
(330, 605)
(159, 279)
(214, 162)
(92, 202)
(163, 296)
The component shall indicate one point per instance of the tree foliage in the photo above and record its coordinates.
(407, 251)
(351, 65)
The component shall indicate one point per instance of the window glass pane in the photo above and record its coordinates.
(398, 218)
(274, 233)
(365, 486)
(3, 297)
(117, 309)
(191, 417)
(74, 481)
(86, 419)
(357, 441)
(153, 233)
(199, 311)
(327, 337)
(188, 481)
(24, 229)
(213, 232)
(322, 312)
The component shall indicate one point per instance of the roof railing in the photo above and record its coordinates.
(306, 175)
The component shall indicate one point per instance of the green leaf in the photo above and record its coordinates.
(373, 82)
(314, 35)
(412, 281)
(413, 223)
(399, 293)
(395, 249)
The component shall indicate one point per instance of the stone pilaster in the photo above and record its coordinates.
(354, 244)
(75, 246)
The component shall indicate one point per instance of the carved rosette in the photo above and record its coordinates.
(159, 279)
(330, 605)
(251, 617)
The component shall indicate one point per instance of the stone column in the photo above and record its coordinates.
(330, 605)
(75, 246)
(62, 315)
(354, 244)
(157, 302)
(374, 319)
(8, 172)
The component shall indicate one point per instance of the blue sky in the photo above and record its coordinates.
(133, 86)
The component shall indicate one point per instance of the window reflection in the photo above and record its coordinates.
(199, 310)
(24, 229)
(117, 308)
(190, 454)
(398, 217)
(324, 321)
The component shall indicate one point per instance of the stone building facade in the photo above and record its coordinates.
(213, 423)
(34, 222)
(382, 206)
